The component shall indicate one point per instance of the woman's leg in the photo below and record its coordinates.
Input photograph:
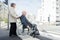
(10, 33)
(13, 29)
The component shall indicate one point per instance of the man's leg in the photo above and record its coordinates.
(23, 29)
(28, 31)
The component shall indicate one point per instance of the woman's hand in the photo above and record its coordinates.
(17, 17)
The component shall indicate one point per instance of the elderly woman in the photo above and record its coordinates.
(12, 19)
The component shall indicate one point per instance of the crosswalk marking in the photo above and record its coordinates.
(27, 37)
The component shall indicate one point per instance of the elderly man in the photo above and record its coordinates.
(27, 24)
(24, 21)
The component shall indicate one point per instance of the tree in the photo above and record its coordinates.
(5, 20)
(0, 21)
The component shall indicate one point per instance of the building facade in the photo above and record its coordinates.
(48, 11)
(3, 10)
(58, 12)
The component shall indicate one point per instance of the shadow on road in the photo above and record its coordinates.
(10, 38)
(44, 38)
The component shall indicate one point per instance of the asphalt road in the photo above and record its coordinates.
(4, 35)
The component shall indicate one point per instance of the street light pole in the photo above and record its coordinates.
(7, 3)
(8, 14)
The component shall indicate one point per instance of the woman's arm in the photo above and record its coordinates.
(13, 13)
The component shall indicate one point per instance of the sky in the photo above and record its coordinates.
(31, 6)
